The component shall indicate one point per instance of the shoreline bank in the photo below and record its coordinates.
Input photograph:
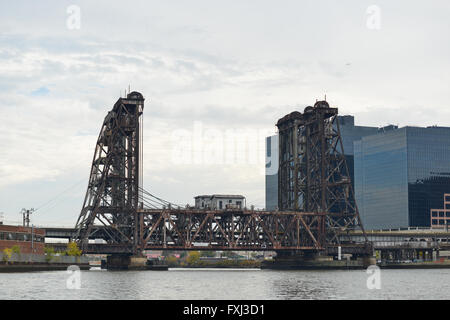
(38, 262)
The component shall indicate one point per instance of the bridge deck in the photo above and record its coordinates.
(235, 229)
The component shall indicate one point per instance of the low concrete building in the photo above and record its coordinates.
(219, 202)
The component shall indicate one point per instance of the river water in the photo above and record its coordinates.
(228, 284)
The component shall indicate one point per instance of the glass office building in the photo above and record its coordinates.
(400, 174)
(349, 134)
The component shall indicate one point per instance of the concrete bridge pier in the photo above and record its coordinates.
(126, 262)
(131, 262)
(301, 260)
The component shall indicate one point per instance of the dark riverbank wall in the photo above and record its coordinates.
(37, 262)
(438, 264)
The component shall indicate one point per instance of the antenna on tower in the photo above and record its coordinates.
(325, 97)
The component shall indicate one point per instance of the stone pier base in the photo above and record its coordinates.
(125, 262)
(130, 262)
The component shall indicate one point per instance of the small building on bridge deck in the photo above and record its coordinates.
(219, 201)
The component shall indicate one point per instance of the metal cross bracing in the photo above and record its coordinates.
(130, 219)
(192, 229)
(117, 209)
(313, 174)
(112, 197)
(230, 230)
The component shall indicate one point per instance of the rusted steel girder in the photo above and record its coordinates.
(231, 230)
(314, 194)
(115, 181)
(313, 175)
(190, 229)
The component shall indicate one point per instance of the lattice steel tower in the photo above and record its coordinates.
(115, 182)
(313, 175)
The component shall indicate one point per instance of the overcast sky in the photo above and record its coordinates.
(213, 65)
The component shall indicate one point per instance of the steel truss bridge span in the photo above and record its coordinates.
(130, 219)
(191, 229)
(237, 230)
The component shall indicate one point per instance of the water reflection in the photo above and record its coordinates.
(198, 284)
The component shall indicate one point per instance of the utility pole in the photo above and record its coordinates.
(32, 238)
(26, 216)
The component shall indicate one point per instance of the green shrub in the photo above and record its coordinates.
(73, 250)
(172, 261)
(49, 253)
(250, 263)
(193, 258)
(7, 252)
(15, 249)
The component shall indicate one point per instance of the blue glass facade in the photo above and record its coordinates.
(349, 134)
(428, 171)
(400, 175)
(381, 188)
